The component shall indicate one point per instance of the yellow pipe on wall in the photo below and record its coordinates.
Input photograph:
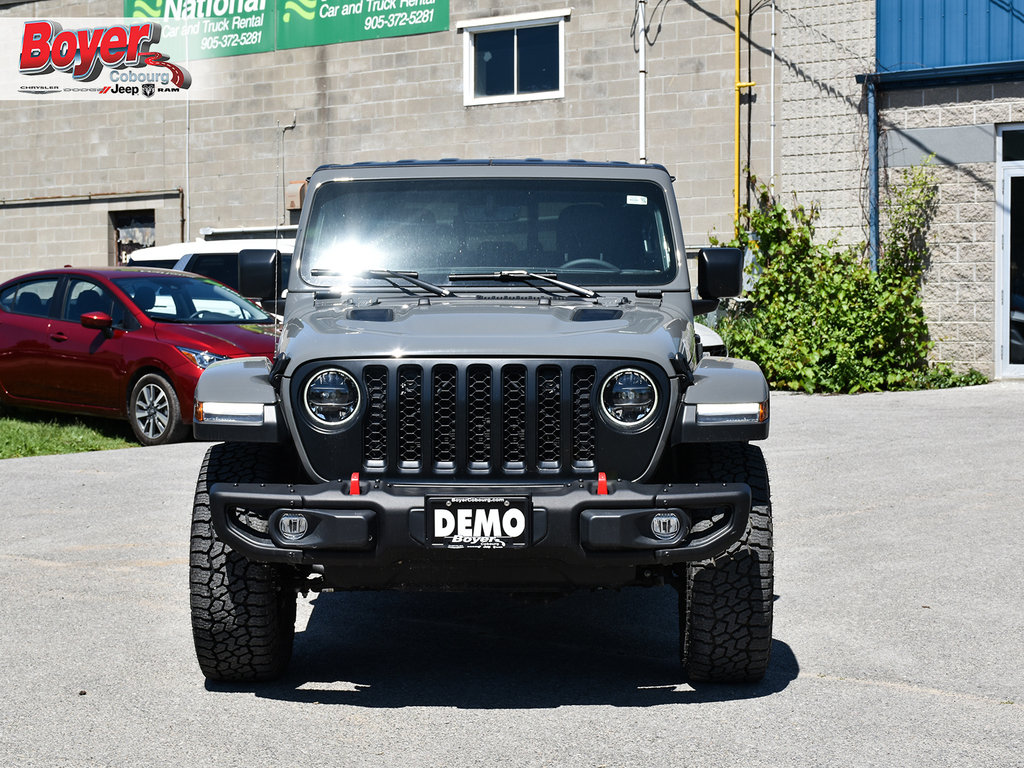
(740, 85)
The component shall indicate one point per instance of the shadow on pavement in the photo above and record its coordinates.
(492, 651)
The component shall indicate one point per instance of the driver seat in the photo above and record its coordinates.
(144, 298)
(583, 232)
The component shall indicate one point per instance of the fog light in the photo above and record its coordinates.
(292, 527)
(665, 525)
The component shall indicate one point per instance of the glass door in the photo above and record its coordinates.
(1010, 269)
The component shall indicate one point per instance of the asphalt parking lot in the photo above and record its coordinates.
(899, 624)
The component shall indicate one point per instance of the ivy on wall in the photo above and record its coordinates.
(818, 319)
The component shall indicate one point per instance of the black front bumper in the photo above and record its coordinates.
(576, 535)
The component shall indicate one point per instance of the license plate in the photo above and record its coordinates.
(478, 522)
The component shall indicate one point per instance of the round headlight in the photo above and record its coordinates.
(629, 397)
(332, 397)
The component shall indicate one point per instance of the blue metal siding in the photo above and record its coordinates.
(925, 34)
(911, 23)
(977, 32)
(954, 26)
(887, 30)
(932, 40)
(1017, 20)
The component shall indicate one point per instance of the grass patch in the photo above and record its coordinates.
(39, 433)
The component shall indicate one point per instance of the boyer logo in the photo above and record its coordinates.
(47, 47)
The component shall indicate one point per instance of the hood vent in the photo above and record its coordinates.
(376, 315)
(595, 315)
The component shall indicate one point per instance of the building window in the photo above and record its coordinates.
(514, 58)
(131, 230)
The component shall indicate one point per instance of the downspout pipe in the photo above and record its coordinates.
(736, 127)
(873, 239)
(278, 212)
(641, 36)
(771, 100)
(738, 87)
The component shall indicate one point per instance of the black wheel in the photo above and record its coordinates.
(154, 413)
(725, 604)
(243, 613)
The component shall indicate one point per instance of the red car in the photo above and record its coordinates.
(124, 343)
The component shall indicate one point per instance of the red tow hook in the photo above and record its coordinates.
(353, 484)
(602, 484)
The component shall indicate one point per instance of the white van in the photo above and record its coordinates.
(218, 259)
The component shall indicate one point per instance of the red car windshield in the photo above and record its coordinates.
(183, 299)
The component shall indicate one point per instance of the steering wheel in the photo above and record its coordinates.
(591, 264)
(199, 314)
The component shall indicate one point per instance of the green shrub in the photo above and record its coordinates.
(818, 319)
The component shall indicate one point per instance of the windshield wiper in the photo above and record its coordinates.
(522, 276)
(388, 274)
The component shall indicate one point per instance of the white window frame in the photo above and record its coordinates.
(1004, 171)
(471, 28)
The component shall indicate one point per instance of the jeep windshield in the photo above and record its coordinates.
(581, 231)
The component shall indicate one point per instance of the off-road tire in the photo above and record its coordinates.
(725, 603)
(243, 613)
(154, 412)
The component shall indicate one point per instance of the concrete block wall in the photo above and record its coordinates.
(385, 99)
(68, 165)
(825, 45)
(824, 159)
(274, 117)
(959, 292)
(959, 285)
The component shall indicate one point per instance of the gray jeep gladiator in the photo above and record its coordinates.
(488, 377)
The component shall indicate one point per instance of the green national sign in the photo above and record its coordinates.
(202, 29)
(319, 22)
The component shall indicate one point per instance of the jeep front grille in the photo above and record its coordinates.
(480, 418)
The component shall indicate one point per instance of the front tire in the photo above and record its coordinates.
(243, 613)
(154, 413)
(725, 603)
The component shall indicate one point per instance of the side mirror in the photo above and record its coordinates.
(98, 321)
(257, 273)
(719, 272)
